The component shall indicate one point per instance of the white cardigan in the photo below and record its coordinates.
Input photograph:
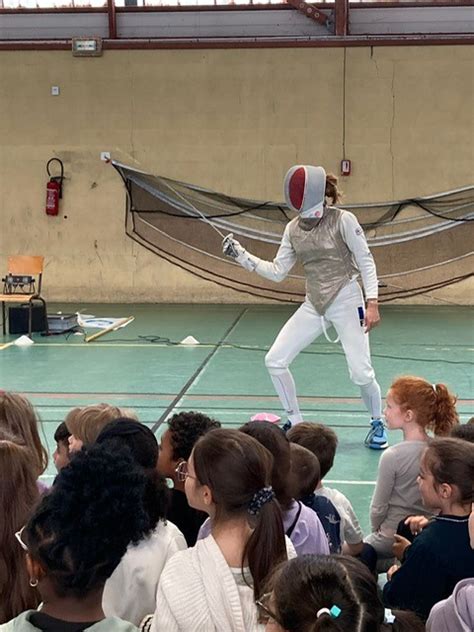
(198, 593)
(130, 593)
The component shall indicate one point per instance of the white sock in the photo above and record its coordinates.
(285, 387)
(372, 398)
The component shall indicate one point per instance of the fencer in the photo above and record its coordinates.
(331, 246)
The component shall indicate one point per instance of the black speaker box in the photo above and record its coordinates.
(18, 318)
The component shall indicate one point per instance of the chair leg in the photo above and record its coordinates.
(43, 302)
(30, 318)
(3, 318)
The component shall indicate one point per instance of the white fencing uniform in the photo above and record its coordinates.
(331, 245)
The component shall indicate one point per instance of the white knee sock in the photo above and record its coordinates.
(372, 398)
(285, 387)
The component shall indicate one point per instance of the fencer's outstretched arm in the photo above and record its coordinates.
(353, 235)
(275, 270)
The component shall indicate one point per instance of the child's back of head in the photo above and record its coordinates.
(237, 470)
(61, 454)
(18, 416)
(305, 471)
(433, 405)
(463, 431)
(318, 439)
(87, 423)
(18, 496)
(274, 440)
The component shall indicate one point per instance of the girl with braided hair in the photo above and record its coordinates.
(76, 538)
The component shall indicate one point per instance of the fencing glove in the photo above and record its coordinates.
(232, 248)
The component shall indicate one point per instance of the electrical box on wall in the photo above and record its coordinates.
(86, 46)
(346, 167)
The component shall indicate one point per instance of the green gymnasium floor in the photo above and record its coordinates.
(229, 382)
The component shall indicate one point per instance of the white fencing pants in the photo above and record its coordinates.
(304, 327)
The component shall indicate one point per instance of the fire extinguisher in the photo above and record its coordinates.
(54, 189)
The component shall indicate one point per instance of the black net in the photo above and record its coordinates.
(419, 245)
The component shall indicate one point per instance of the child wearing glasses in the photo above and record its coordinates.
(213, 586)
(18, 495)
(76, 538)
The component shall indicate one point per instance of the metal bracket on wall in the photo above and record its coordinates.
(310, 12)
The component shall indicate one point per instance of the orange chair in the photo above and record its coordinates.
(21, 265)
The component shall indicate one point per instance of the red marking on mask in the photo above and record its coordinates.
(296, 188)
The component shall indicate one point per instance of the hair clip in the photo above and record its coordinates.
(389, 616)
(334, 612)
(260, 498)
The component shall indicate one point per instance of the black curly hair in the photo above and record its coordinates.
(186, 428)
(78, 532)
(143, 446)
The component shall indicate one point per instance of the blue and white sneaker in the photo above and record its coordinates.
(287, 426)
(376, 438)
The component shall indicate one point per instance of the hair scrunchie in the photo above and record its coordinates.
(260, 498)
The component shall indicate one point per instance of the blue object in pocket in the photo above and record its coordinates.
(361, 316)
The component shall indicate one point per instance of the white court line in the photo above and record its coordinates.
(337, 482)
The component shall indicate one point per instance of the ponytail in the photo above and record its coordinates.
(445, 414)
(433, 405)
(266, 546)
(324, 623)
(237, 469)
(332, 192)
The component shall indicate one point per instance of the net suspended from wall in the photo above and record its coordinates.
(419, 244)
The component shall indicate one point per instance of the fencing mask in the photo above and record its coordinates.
(305, 188)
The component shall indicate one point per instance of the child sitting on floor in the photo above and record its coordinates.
(305, 477)
(414, 406)
(86, 424)
(18, 496)
(440, 555)
(75, 539)
(18, 417)
(302, 525)
(61, 454)
(322, 442)
(333, 593)
(214, 585)
(176, 445)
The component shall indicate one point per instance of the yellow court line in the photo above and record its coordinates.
(4, 346)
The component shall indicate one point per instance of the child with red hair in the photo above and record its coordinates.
(415, 407)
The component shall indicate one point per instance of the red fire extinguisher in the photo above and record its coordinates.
(54, 189)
